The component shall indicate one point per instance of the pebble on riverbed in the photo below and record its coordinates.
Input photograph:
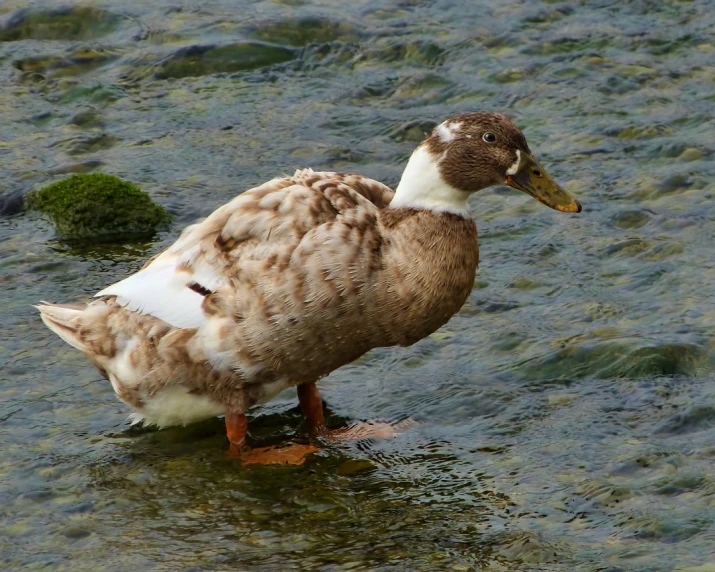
(99, 206)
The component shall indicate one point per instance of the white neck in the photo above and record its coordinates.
(422, 187)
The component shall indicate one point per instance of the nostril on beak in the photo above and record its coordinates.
(537, 173)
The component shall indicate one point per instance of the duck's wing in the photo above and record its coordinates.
(264, 222)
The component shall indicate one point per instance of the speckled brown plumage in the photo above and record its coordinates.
(319, 273)
(294, 279)
(471, 161)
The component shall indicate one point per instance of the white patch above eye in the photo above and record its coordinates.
(515, 167)
(447, 131)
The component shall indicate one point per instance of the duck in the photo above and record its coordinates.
(298, 277)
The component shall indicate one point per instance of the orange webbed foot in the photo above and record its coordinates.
(312, 406)
(292, 454)
(236, 429)
(364, 430)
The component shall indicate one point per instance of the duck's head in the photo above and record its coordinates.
(471, 152)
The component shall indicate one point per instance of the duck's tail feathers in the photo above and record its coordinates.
(64, 320)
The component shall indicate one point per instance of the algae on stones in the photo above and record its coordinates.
(64, 23)
(99, 206)
(195, 61)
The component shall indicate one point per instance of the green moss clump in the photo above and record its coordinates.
(99, 206)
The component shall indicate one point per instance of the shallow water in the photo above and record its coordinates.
(566, 415)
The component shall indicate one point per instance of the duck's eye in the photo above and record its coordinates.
(489, 137)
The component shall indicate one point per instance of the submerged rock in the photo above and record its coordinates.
(65, 23)
(10, 202)
(414, 131)
(626, 359)
(77, 61)
(354, 467)
(99, 206)
(195, 61)
(304, 31)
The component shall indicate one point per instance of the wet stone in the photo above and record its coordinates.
(39, 495)
(356, 466)
(86, 118)
(527, 547)
(691, 154)
(90, 93)
(303, 31)
(510, 75)
(551, 15)
(11, 202)
(81, 167)
(80, 508)
(67, 23)
(675, 183)
(87, 144)
(626, 247)
(617, 359)
(74, 532)
(415, 52)
(663, 527)
(41, 117)
(697, 418)
(640, 131)
(198, 60)
(38, 64)
(680, 483)
(669, 150)
(562, 399)
(78, 61)
(666, 359)
(631, 219)
(414, 131)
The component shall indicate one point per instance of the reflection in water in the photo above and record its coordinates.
(565, 416)
(415, 501)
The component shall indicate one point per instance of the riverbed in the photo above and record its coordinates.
(565, 418)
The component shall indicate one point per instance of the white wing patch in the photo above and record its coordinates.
(162, 290)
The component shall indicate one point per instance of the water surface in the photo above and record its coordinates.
(566, 414)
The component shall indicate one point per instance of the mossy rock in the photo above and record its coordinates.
(100, 207)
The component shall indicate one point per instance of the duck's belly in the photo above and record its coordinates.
(175, 405)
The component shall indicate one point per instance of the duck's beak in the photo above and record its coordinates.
(531, 178)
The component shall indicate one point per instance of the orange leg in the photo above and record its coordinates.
(312, 405)
(236, 429)
(294, 454)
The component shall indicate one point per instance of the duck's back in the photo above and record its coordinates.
(253, 240)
